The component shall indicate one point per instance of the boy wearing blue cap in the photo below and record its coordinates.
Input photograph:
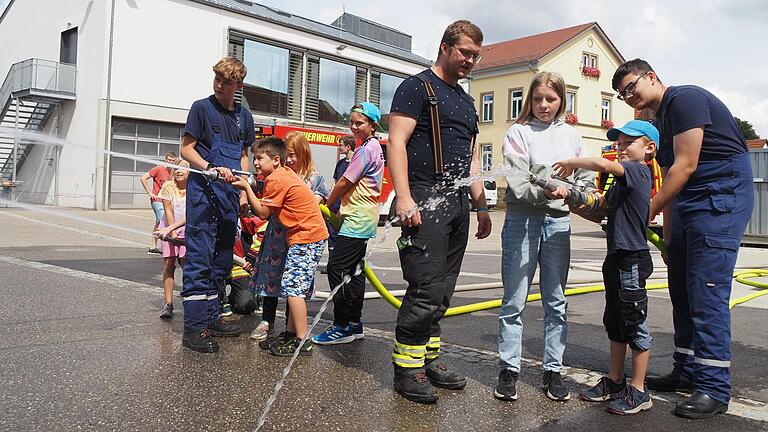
(359, 189)
(627, 265)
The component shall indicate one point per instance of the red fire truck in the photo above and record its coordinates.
(325, 153)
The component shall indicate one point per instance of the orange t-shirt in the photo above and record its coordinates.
(294, 204)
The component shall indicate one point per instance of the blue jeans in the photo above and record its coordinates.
(528, 241)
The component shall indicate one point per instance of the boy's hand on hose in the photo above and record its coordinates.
(563, 168)
(240, 183)
(560, 193)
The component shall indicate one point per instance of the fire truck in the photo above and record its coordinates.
(604, 182)
(325, 154)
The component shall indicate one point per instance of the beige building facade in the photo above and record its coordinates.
(586, 59)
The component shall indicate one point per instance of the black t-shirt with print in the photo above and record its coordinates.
(458, 125)
(629, 202)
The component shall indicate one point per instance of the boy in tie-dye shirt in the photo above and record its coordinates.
(359, 189)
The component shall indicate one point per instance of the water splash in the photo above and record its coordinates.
(287, 369)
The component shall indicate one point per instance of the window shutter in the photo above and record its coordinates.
(375, 88)
(295, 75)
(313, 88)
(361, 85)
(236, 49)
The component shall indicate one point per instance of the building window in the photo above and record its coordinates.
(266, 85)
(588, 60)
(330, 91)
(383, 88)
(606, 109)
(486, 152)
(68, 48)
(487, 109)
(570, 102)
(515, 103)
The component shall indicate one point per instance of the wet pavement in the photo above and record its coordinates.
(83, 348)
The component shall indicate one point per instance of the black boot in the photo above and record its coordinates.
(672, 382)
(200, 341)
(222, 328)
(700, 406)
(440, 376)
(414, 385)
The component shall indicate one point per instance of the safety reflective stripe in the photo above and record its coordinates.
(433, 347)
(715, 363)
(409, 356)
(407, 362)
(413, 350)
(685, 351)
(200, 297)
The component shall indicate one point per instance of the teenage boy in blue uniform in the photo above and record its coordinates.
(216, 136)
(707, 198)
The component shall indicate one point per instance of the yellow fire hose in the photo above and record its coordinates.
(741, 276)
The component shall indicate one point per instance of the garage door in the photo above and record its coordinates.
(137, 138)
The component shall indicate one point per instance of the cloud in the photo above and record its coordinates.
(717, 44)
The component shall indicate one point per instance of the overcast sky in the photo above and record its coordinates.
(717, 44)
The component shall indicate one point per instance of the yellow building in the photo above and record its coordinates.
(586, 59)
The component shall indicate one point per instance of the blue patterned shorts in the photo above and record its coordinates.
(300, 268)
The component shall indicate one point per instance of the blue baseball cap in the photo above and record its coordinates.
(635, 128)
(369, 110)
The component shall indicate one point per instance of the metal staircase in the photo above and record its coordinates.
(28, 96)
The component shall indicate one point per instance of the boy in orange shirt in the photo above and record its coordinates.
(292, 201)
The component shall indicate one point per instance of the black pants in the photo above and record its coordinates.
(345, 258)
(626, 299)
(269, 309)
(431, 256)
(241, 298)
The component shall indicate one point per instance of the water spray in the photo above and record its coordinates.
(578, 195)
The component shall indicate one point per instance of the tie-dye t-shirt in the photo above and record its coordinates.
(360, 206)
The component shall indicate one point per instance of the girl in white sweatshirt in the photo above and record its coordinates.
(536, 231)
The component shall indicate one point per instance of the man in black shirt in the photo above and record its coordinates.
(428, 150)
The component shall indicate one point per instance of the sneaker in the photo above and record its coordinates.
(357, 330)
(440, 376)
(605, 389)
(200, 341)
(226, 310)
(154, 251)
(275, 340)
(414, 386)
(630, 401)
(167, 312)
(288, 348)
(334, 335)
(506, 389)
(556, 390)
(223, 329)
(262, 331)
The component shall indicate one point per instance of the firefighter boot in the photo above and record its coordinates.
(440, 376)
(414, 385)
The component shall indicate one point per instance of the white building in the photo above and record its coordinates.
(121, 76)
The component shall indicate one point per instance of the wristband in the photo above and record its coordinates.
(210, 166)
(481, 209)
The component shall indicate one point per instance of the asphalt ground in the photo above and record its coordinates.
(84, 348)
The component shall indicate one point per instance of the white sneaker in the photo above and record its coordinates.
(261, 331)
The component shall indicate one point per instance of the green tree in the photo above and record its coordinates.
(746, 129)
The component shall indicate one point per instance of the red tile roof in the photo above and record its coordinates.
(756, 143)
(529, 47)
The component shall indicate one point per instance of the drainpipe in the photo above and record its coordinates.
(108, 115)
(15, 144)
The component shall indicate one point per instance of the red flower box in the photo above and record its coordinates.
(590, 71)
(606, 124)
(571, 118)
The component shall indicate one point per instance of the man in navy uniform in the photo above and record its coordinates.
(707, 198)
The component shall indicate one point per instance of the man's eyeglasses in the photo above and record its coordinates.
(474, 56)
(629, 89)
